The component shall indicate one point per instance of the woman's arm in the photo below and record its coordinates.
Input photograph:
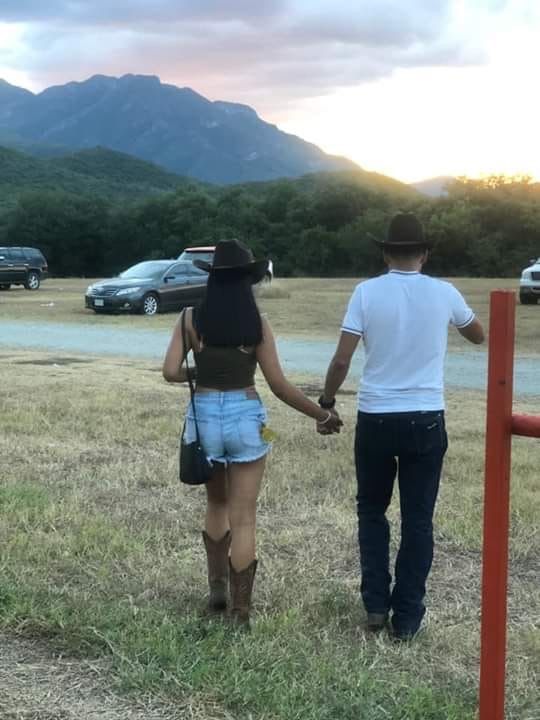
(182, 375)
(268, 360)
(173, 370)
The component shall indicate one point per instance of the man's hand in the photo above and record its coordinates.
(330, 426)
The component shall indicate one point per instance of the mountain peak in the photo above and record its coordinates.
(6, 86)
(177, 128)
(235, 108)
(140, 79)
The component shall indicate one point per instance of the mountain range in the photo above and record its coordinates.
(434, 187)
(113, 175)
(175, 128)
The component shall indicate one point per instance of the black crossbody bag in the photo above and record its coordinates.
(195, 468)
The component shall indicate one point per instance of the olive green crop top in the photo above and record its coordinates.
(225, 368)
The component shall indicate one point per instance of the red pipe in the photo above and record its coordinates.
(496, 504)
(526, 425)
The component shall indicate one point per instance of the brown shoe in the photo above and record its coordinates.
(376, 621)
(241, 589)
(217, 553)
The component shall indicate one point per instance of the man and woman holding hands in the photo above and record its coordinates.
(402, 318)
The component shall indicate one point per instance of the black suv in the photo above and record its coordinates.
(22, 266)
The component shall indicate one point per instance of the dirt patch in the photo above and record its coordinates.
(54, 361)
(38, 685)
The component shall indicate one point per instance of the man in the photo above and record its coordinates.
(403, 319)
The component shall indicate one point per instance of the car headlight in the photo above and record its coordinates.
(526, 275)
(128, 291)
(89, 289)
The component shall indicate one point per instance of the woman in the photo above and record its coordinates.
(229, 338)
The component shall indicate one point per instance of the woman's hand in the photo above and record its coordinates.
(331, 425)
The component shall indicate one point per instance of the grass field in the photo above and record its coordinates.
(298, 307)
(101, 556)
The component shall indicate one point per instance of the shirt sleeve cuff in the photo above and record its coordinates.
(467, 322)
(352, 331)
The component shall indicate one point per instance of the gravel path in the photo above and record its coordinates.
(463, 370)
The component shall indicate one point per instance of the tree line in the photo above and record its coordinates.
(318, 225)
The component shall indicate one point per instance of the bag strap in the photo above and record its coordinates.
(190, 381)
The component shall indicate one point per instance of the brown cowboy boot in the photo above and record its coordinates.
(217, 553)
(241, 589)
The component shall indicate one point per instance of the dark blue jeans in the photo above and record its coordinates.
(411, 445)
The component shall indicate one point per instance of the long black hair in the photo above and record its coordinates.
(228, 316)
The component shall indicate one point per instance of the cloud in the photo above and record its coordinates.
(121, 12)
(265, 53)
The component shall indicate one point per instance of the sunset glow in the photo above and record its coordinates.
(444, 88)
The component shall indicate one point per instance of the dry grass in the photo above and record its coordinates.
(101, 555)
(300, 307)
(277, 290)
(37, 684)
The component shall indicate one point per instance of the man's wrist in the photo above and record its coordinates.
(325, 403)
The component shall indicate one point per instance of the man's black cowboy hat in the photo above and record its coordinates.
(405, 230)
(234, 255)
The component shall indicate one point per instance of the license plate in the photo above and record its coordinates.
(99, 303)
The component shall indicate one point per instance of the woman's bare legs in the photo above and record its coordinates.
(217, 511)
(244, 484)
(217, 540)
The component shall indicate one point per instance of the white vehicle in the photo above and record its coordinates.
(529, 285)
(207, 253)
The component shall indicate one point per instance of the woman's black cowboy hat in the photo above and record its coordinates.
(405, 230)
(234, 255)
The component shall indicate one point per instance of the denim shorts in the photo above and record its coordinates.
(230, 425)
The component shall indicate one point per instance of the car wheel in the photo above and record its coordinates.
(32, 281)
(5, 287)
(150, 304)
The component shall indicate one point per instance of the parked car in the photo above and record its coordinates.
(529, 285)
(207, 254)
(22, 266)
(149, 287)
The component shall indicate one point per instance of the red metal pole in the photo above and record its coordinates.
(496, 504)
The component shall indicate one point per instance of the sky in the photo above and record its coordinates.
(412, 89)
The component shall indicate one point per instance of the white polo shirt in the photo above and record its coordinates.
(403, 318)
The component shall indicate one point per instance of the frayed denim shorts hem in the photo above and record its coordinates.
(244, 459)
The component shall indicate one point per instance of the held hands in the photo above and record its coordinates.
(332, 424)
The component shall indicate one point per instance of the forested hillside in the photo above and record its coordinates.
(98, 172)
(316, 225)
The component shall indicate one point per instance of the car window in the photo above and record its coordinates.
(17, 255)
(150, 269)
(197, 255)
(33, 254)
(5, 253)
(194, 270)
(180, 269)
